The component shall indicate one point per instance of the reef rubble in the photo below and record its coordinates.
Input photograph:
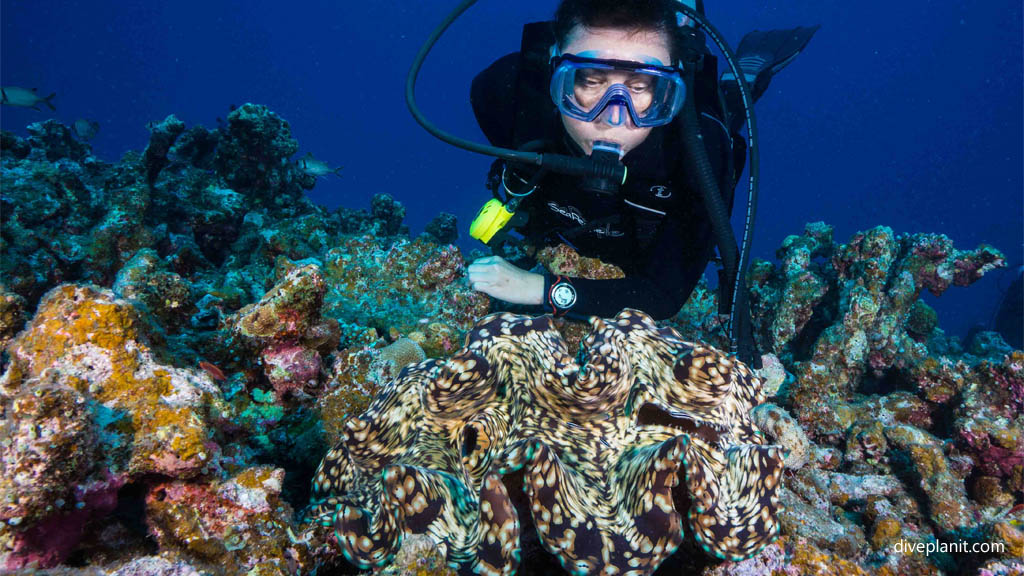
(185, 336)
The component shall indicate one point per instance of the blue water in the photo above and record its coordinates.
(906, 114)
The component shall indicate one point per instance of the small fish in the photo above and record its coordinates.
(214, 372)
(315, 167)
(14, 96)
(86, 129)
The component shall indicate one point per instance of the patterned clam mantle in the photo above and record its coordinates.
(600, 440)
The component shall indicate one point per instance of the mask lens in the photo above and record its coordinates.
(641, 91)
(589, 86)
(583, 90)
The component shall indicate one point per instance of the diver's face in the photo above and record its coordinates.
(614, 124)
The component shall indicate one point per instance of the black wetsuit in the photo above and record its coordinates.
(656, 229)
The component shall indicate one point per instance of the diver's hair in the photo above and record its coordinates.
(632, 15)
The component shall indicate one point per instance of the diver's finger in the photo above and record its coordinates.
(478, 268)
(481, 286)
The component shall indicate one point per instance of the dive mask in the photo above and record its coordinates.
(583, 88)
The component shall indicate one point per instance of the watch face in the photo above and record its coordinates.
(564, 295)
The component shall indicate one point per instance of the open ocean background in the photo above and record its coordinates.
(906, 114)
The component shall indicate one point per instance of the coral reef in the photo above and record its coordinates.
(421, 290)
(444, 229)
(878, 278)
(89, 407)
(174, 327)
(783, 300)
(240, 525)
(253, 156)
(185, 335)
(286, 326)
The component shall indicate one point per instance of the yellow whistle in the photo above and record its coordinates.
(491, 218)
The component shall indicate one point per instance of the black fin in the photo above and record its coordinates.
(760, 56)
(48, 103)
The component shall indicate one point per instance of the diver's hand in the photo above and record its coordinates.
(494, 276)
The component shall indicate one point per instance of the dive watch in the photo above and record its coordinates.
(561, 295)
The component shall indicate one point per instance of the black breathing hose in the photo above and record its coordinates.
(699, 166)
(741, 340)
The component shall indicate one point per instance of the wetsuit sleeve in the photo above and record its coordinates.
(492, 95)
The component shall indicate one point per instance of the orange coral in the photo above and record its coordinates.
(91, 341)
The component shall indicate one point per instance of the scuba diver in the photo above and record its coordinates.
(627, 149)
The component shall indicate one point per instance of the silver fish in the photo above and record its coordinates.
(25, 98)
(86, 129)
(314, 167)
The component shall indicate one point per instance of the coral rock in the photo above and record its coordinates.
(388, 212)
(90, 340)
(949, 509)
(287, 311)
(240, 524)
(252, 156)
(12, 315)
(444, 228)
(772, 373)
(401, 353)
(290, 367)
(382, 287)
(161, 138)
(419, 556)
(56, 140)
(880, 278)
(989, 424)
(784, 430)
(792, 292)
(562, 259)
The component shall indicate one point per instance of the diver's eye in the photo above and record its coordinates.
(639, 87)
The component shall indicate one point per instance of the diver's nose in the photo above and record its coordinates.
(615, 114)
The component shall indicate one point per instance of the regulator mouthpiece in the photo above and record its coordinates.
(606, 155)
